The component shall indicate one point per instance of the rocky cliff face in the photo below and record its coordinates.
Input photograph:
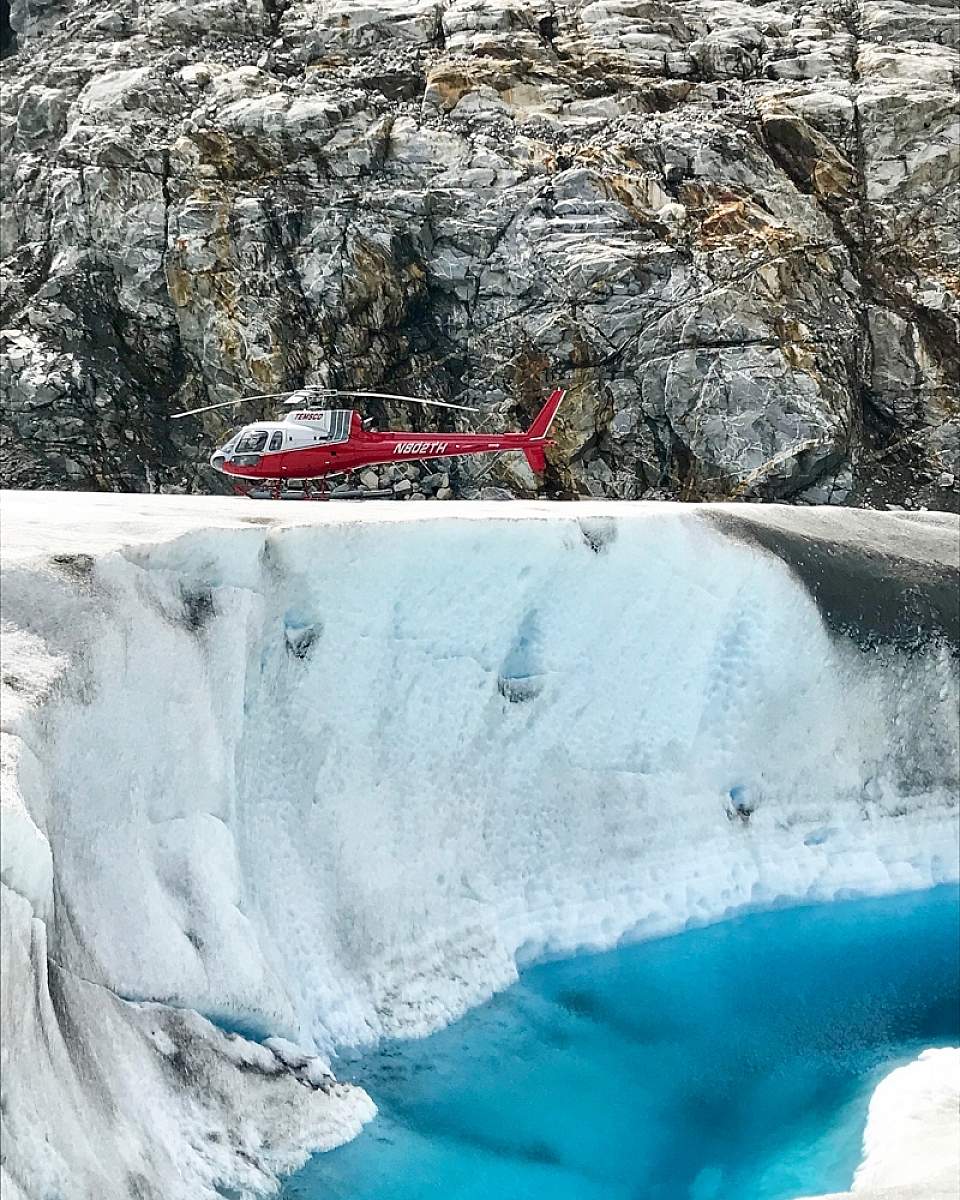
(730, 229)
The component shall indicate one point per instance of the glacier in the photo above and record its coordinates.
(911, 1150)
(282, 778)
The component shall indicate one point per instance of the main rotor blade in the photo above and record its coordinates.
(209, 407)
(320, 391)
(391, 396)
(246, 399)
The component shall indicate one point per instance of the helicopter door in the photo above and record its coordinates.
(276, 442)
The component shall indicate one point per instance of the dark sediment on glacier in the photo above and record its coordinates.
(874, 576)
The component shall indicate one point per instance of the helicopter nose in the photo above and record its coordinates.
(217, 462)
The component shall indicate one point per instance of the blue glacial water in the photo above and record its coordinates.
(733, 1062)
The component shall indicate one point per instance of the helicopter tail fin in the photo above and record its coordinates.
(537, 433)
(544, 418)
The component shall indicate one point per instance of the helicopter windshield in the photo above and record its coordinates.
(251, 442)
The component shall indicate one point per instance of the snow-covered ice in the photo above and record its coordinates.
(912, 1140)
(325, 772)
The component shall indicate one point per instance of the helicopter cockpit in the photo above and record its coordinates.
(252, 441)
(299, 430)
(246, 448)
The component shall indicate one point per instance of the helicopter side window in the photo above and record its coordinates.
(252, 442)
(277, 440)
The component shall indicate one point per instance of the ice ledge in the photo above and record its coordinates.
(35, 522)
(912, 1144)
(877, 575)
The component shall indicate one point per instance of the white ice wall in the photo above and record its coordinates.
(325, 777)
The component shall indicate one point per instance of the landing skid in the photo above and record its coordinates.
(311, 489)
(280, 489)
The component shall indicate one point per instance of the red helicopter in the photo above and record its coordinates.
(310, 443)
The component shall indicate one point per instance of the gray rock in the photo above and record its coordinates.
(431, 483)
(727, 231)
